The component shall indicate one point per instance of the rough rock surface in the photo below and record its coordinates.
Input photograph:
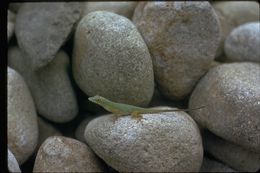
(50, 86)
(232, 14)
(243, 43)
(22, 124)
(233, 155)
(111, 59)
(62, 154)
(231, 94)
(210, 165)
(13, 165)
(122, 8)
(42, 28)
(182, 38)
(165, 142)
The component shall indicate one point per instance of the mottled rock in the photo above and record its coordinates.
(182, 38)
(165, 142)
(46, 130)
(50, 86)
(233, 155)
(10, 24)
(22, 124)
(62, 154)
(243, 43)
(42, 28)
(232, 14)
(125, 8)
(210, 165)
(231, 94)
(13, 165)
(111, 59)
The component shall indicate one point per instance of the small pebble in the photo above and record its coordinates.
(243, 43)
(62, 154)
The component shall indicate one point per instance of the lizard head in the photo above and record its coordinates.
(97, 99)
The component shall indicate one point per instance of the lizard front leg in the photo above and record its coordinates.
(137, 115)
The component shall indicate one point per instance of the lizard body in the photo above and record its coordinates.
(120, 109)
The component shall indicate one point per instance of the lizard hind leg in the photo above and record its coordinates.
(137, 115)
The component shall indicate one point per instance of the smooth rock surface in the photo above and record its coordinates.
(210, 165)
(233, 155)
(182, 38)
(42, 28)
(231, 94)
(165, 142)
(13, 165)
(232, 14)
(22, 123)
(10, 24)
(50, 86)
(62, 154)
(125, 8)
(111, 59)
(243, 43)
(46, 130)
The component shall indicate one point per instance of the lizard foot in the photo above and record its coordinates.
(137, 115)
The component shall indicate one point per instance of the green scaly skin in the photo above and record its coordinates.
(120, 109)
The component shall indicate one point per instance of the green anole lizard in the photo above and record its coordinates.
(120, 109)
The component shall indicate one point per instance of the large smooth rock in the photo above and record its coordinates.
(182, 38)
(231, 94)
(233, 155)
(122, 8)
(243, 43)
(62, 154)
(13, 165)
(210, 165)
(232, 14)
(22, 131)
(111, 59)
(51, 87)
(42, 28)
(162, 142)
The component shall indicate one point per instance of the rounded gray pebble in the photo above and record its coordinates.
(62, 154)
(231, 95)
(22, 123)
(165, 142)
(182, 38)
(243, 43)
(111, 59)
(13, 165)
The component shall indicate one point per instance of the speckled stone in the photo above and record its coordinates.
(46, 130)
(10, 24)
(232, 14)
(13, 165)
(231, 94)
(22, 131)
(210, 165)
(125, 8)
(42, 28)
(233, 155)
(165, 142)
(111, 59)
(62, 154)
(243, 43)
(182, 38)
(51, 87)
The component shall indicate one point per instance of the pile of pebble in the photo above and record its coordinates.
(147, 54)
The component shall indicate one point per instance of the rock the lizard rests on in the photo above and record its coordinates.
(120, 109)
